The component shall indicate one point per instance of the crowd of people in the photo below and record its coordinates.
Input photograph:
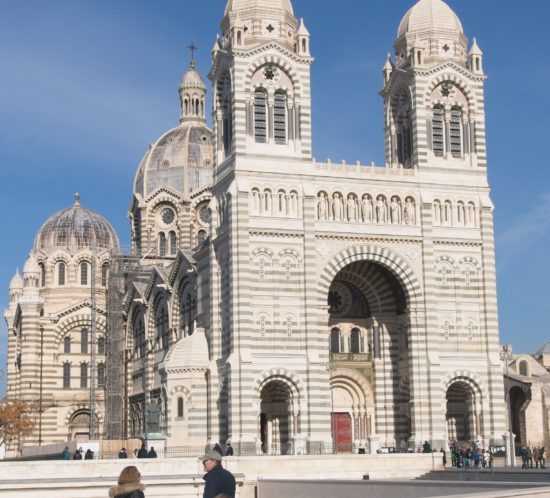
(533, 457)
(470, 456)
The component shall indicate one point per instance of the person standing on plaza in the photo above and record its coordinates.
(77, 454)
(218, 480)
(122, 453)
(152, 453)
(129, 485)
(142, 453)
(66, 455)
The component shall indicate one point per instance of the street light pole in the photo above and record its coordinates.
(505, 355)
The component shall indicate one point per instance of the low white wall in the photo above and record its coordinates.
(182, 477)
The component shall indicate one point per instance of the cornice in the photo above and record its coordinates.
(369, 239)
(458, 243)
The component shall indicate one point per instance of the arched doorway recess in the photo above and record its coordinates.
(368, 332)
(276, 418)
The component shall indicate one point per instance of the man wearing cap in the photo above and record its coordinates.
(218, 480)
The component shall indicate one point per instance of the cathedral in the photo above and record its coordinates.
(272, 302)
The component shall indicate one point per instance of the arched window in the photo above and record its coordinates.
(139, 334)
(304, 45)
(404, 144)
(289, 326)
(460, 213)
(84, 341)
(173, 243)
(104, 274)
(444, 276)
(279, 118)
(101, 345)
(67, 344)
(355, 341)
(101, 375)
(335, 341)
(446, 330)
(455, 132)
(437, 213)
(262, 325)
(447, 213)
(84, 273)
(288, 269)
(161, 324)
(261, 268)
(83, 375)
(61, 273)
(180, 408)
(201, 236)
(523, 368)
(66, 375)
(42, 274)
(162, 244)
(438, 132)
(471, 328)
(260, 116)
(468, 277)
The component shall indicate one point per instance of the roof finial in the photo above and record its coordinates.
(77, 199)
(193, 48)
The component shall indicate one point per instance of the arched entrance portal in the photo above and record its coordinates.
(460, 413)
(367, 333)
(79, 426)
(276, 418)
(518, 403)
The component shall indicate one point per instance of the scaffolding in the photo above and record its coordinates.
(124, 270)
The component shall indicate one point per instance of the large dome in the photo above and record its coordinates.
(430, 15)
(182, 160)
(240, 5)
(76, 227)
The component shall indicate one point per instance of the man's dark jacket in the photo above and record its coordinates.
(218, 481)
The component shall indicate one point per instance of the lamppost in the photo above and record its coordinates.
(505, 355)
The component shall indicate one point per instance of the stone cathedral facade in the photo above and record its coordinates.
(288, 306)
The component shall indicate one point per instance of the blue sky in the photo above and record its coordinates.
(86, 85)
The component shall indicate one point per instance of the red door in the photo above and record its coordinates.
(341, 432)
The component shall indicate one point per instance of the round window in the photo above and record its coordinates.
(168, 216)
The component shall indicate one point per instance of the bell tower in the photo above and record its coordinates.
(261, 83)
(433, 93)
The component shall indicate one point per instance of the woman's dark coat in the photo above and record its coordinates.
(132, 490)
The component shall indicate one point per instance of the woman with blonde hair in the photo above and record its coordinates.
(129, 485)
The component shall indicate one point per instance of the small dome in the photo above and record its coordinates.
(189, 353)
(76, 227)
(192, 79)
(31, 266)
(544, 350)
(430, 15)
(16, 282)
(170, 161)
(239, 5)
